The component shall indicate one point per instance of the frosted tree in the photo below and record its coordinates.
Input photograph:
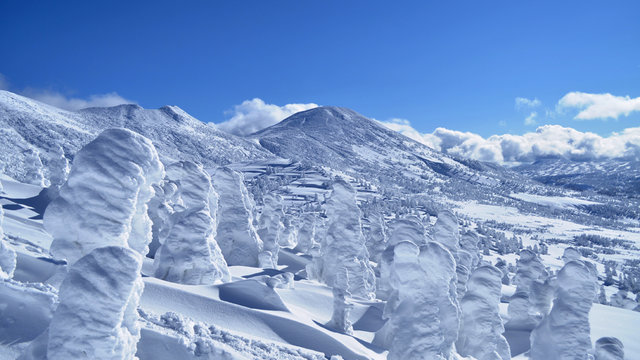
(408, 228)
(104, 200)
(236, 235)
(375, 235)
(7, 254)
(270, 228)
(306, 232)
(464, 265)
(530, 272)
(609, 348)
(97, 316)
(564, 333)
(289, 237)
(160, 210)
(469, 243)
(189, 253)
(343, 261)
(33, 172)
(570, 254)
(481, 329)
(447, 232)
(425, 322)
(57, 167)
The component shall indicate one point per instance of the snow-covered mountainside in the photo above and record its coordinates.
(326, 236)
(611, 177)
(38, 139)
(345, 141)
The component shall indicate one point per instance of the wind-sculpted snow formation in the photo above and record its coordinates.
(424, 322)
(533, 292)
(7, 255)
(344, 245)
(270, 229)
(565, 332)
(236, 235)
(189, 254)
(481, 328)
(609, 348)
(97, 316)
(104, 200)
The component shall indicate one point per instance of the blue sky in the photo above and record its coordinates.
(458, 65)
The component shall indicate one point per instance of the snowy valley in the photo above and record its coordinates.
(128, 232)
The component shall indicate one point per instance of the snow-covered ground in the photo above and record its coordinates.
(242, 319)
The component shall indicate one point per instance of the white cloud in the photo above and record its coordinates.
(531, 119)
(523, 103)
(547, 141)
(598, 106)
(70, 103)
(253, 115)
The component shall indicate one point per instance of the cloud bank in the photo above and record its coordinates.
(598, 106)
(254, 115)
(548, 141)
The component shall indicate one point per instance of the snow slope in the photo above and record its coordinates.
(28, 125)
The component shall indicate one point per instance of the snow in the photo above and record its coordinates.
(553, 201)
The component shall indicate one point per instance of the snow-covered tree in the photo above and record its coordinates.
(375, 235)
(530, 273)
(565, 332)
(104, 200)
(342, 261)
(570, 254)
(424, 324)
(344, 244)
(407, 228)
(609, 348)
(289, 237)
(270, 228)
(189, 253)
(236, 235)
(160, 210)
(97, 316)
(306, 232)
(469, 243)
(446, 231)
(481, 329)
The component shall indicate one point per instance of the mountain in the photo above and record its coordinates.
(347, 142)
(35, 132)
